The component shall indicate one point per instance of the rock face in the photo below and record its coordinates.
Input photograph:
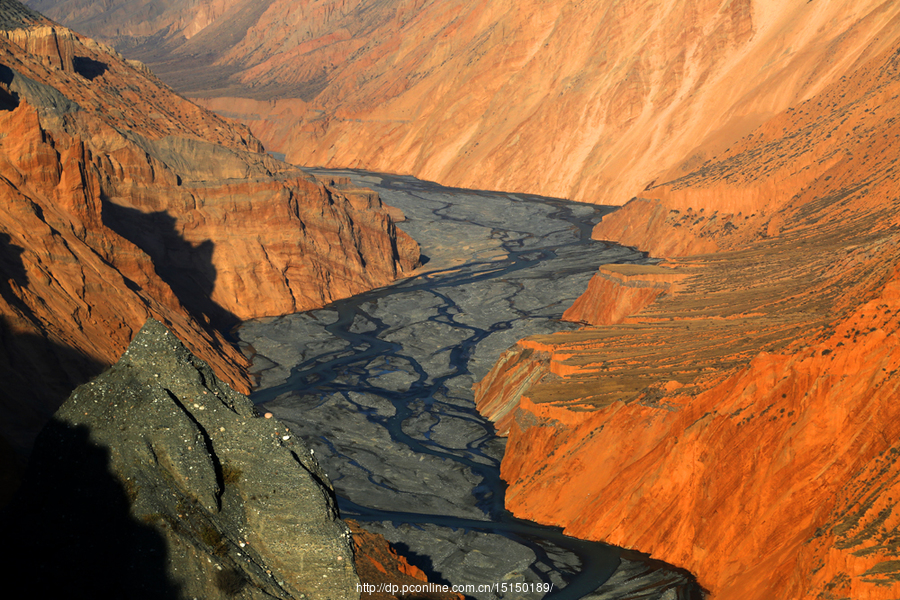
(837, 143)
(157, 480)
(744, 426)
(618, 291)
(379, 566)
(123, 201)
(588, 100)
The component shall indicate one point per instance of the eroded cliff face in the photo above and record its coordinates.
(593, 101)
(386, 572)
(122, 201)
(837, 144)
(742, 427)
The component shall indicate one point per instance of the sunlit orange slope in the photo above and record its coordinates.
(745, 424)
(587, 100)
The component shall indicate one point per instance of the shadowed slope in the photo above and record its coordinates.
(157, 480)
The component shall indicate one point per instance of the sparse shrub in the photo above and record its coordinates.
(213, 539)
(131, 490)
(231, 474)
(163, 521)
(152, 518)
(230, 581)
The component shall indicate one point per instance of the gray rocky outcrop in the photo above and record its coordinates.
(157, 480)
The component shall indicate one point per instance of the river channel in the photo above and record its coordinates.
(380, 386)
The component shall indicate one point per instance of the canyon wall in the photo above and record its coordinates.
(123, 201)
(593, 101)
(743, 424)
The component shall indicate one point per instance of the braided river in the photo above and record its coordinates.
(380, 387)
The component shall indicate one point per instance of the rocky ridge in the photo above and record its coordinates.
(175, 487)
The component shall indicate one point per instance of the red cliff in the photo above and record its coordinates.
(386, 574)
(122, 201)
(745, 427)
(618, 291)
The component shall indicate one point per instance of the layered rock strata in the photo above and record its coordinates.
(593, 101)
(156, 480)
(122, 201)
(743, 427)
(618, 291)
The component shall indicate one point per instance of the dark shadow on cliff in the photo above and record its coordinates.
(9, 100)
(37, 373)
(12, 272)
(689, 590)
(6, 75)
(69, 531)
(89, 68)
(420, 561)
(186, 268)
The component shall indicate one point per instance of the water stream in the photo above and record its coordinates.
(380, 386)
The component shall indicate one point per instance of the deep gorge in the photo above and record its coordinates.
(380, 386)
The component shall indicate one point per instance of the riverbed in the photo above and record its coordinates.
(380, 386)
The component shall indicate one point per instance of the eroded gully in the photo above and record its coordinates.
(380, 386)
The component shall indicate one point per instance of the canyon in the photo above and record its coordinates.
(124, 201)
(380, 386)
(728, 408)
(591, 101)
(127, 206)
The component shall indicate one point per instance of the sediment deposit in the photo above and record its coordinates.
(380, 387)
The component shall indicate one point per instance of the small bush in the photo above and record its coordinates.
(214, 540)
(230, 581)
(231, 474)
(131, 490)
